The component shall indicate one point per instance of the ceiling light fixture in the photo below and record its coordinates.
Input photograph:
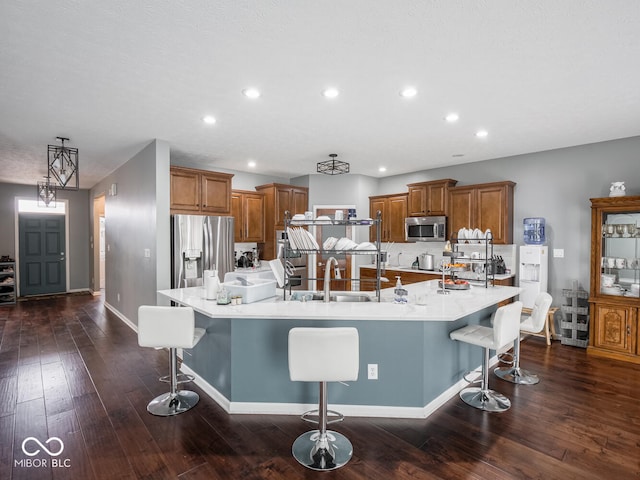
(62, 164)
(408, 92)
(482, 133)
(251, 164)
(452, 117)
(382, 169)
(251, 92)
(46, 193)
(331, 92)
(333, 166)
(209, 119)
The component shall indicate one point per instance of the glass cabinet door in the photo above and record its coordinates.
(620, 262)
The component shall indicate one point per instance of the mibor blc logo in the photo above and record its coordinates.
(53, 447)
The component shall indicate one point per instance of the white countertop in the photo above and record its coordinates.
(425, 304)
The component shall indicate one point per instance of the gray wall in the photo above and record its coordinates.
(137, 218)
(556, 185)
(77, 216)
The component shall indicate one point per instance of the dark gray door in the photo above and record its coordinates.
(41, 263)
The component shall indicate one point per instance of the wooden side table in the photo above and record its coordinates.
(549, 330)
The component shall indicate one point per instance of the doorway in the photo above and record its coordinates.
(98, 245)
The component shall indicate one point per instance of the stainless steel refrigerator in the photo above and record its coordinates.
(200, 243)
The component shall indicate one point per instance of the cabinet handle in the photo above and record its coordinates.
(628, 329)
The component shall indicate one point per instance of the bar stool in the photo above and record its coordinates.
(323, 355)
(506, 328)
(172, 328)
(533, 323)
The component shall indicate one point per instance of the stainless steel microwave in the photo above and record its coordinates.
(425, 229)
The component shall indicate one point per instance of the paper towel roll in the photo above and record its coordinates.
(211, 284)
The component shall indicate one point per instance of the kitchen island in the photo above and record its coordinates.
(242, 360)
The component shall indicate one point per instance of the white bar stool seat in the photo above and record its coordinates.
(172, 328)
(506, 328)
(534, 323)
(323, 355)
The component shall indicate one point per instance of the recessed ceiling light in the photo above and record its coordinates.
(251, 163)
(408, 92)
(331, 92)
(209, 119)
(251, 92)
(452, 117)
(382, 169)
(482, 133)
(457, 155)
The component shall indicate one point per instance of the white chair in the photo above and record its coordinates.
(323, 355)
(530, 324)
(172, 328)
(506, 328)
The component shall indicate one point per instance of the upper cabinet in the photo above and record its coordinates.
(484, 206)
(429, 198)
(247, 209)
(394, 211)
(278, 198)
(200, 192)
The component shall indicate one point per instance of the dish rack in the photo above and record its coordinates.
(300, 240)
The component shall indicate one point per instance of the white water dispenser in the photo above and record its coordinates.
(533, 273)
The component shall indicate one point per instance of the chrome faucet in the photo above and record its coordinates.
(327, 278)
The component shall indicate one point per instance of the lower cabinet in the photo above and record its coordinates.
(369, 277)
(615, 331)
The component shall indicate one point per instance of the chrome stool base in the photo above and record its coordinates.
(169, 404)
(516, 375)
(322, 452)
(487, 400)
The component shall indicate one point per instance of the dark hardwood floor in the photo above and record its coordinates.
(72, 370)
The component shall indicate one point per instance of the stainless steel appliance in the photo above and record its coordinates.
(296, 263)
(425, 229)
(200, 243)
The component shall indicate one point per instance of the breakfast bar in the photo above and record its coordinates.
(242, 360)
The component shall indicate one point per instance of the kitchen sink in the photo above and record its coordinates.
(334, 297)
(350, 298)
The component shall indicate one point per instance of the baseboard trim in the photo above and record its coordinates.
(121, 316)
(385, 411)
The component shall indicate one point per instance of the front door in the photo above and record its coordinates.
(41, 262)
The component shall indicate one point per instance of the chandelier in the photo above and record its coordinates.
(62, 164)
(333, 166)
(46, 193)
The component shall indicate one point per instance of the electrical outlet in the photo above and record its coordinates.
(558, 252)
(372, 371)
(147, 253)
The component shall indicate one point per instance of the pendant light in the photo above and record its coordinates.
(62, 164)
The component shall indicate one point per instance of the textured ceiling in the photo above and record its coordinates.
(114, 75)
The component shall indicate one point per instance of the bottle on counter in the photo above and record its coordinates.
(400, 293)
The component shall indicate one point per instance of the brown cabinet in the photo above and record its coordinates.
(278, 198)
(615, 275)
(429, 198)
(484, 206)
(368, 277)
(247, 209)
(200, 192)
(615, 328)
(394, 211)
